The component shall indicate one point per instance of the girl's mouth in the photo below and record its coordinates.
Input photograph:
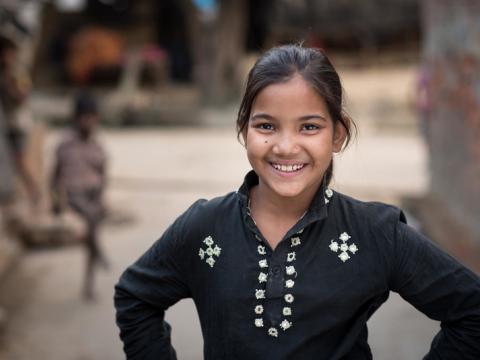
(288, 168)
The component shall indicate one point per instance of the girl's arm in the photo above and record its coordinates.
(443, 289)
(145, 290)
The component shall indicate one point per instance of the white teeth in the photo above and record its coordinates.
(288, 168)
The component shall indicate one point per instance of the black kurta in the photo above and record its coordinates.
(308, 299)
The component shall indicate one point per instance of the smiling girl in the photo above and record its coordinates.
(287, 268)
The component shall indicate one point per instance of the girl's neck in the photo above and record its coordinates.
(275, 215)
(266, 201)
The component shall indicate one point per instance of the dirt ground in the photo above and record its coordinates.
(157, 173)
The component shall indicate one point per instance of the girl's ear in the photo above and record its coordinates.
(339, 135)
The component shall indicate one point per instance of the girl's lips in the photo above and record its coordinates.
(288, 167)
(288, 170)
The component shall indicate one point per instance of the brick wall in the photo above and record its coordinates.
(452, 111)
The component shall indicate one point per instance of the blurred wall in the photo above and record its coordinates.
(452, 111)
(6, 166)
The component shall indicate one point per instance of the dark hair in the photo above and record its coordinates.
(280, 64)
(85, 103)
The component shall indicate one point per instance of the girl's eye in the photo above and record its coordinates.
(265, 126)
(310, 127)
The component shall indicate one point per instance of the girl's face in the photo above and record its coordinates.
(290, 139)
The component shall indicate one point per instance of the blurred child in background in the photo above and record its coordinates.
(78, 180)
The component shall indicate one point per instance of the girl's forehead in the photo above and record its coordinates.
(293, 93)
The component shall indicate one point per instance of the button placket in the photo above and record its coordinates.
(270, 278)
(275, 277)
(262, 278)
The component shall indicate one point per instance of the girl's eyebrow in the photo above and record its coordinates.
(301, 118)
(312, 117)
(262, 116)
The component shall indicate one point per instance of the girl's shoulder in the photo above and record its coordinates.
(375, 213)
(205, 212)
(203, 208)
(374, 222)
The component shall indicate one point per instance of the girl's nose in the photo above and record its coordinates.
(285, 145)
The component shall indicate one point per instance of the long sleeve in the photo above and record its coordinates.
(145, 290)
(443, 289)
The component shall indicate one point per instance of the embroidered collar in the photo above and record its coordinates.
(316, 211)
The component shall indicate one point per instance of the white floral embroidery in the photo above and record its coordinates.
(260, 293)
(285, 324)
(344, 256)
(258, 309)
(344, 236)
(295, 241)
(290, 270)
(273, 332)
(210, 261)
(262, 277)
(209, 251)
(326, 200)
(208, 241)
(261, 250)
(329, 192)
(353, 248)
(289, 284)
(333, 246)
(217, 250)
(344, 247)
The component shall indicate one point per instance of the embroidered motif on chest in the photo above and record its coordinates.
(344, 247)
(210, 252)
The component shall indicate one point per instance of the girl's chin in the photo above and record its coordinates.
(289, 191)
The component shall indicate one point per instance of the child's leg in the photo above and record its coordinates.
(89, 209)
(88, 286)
